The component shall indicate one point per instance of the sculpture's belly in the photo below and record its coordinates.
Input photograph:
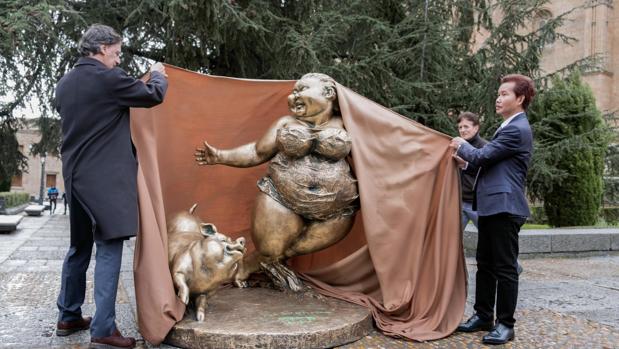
(313, 187)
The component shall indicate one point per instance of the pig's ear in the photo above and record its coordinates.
(208, 229)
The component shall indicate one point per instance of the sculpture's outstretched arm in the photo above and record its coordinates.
(247, 155)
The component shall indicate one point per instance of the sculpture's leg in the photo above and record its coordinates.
(274, 229)
(181, 285)
(201, 307)
(249, 265)
(320, 235)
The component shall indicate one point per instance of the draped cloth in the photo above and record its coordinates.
(403, 258)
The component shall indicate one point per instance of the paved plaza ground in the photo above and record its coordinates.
(564, 302)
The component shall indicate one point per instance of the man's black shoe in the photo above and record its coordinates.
(475, 323)
(500, 334)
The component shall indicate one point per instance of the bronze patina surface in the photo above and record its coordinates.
(200, 258)
(308, 198)
(266, 318)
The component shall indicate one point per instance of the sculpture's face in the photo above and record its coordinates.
(310, 97)
(221, 255)
(214, 253)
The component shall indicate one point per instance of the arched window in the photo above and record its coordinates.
(542, 19)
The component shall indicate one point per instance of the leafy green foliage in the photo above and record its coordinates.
(12, 161)
(569, 126)
(14, 199)
(415, 57)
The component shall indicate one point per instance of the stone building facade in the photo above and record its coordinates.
(595, 26)
(30, 181)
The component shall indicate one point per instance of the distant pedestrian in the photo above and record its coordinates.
(52, 195)
(64, 201)
(93, 100)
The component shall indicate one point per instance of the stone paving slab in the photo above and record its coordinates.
(24, 231)
(536, 329)
(563, 302)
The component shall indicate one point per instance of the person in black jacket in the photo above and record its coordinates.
(100, 174)
(64, 202)
(468, 128)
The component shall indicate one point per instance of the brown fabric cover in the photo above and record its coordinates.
(403, 259)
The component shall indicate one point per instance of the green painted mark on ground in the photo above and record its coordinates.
(301, 317)
(295, 320)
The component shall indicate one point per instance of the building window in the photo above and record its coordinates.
(16, 181)
(540, 22)
(51, 180)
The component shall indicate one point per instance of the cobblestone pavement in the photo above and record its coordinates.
(563, 302)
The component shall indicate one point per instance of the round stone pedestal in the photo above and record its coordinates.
(266, 318)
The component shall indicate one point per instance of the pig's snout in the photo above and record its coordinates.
(237, 247)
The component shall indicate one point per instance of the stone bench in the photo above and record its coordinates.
(556, 240)
(9, 223)
(34, 210)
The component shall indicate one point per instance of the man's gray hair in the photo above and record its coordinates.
(95, 36)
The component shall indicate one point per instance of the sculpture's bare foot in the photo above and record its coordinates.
(277, 279)
(283, 277)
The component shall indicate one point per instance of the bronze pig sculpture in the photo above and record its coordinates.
(200, 258)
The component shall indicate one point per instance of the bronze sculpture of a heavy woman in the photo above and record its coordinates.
(307, 199)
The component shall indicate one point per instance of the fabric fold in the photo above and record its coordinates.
(403, 258)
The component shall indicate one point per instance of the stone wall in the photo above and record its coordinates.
(594, 26)
(31, 180)
(596, 30)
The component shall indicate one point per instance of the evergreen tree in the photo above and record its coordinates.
(415, 57)
(569, 126)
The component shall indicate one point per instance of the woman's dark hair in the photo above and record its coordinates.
(95, 36)
(467, 115)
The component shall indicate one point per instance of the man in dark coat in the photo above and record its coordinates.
(100, 173)
(502, 208)
(468, 128)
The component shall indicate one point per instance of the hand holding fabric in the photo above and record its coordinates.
(460, 161)
(158, 67)
(456, 142)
